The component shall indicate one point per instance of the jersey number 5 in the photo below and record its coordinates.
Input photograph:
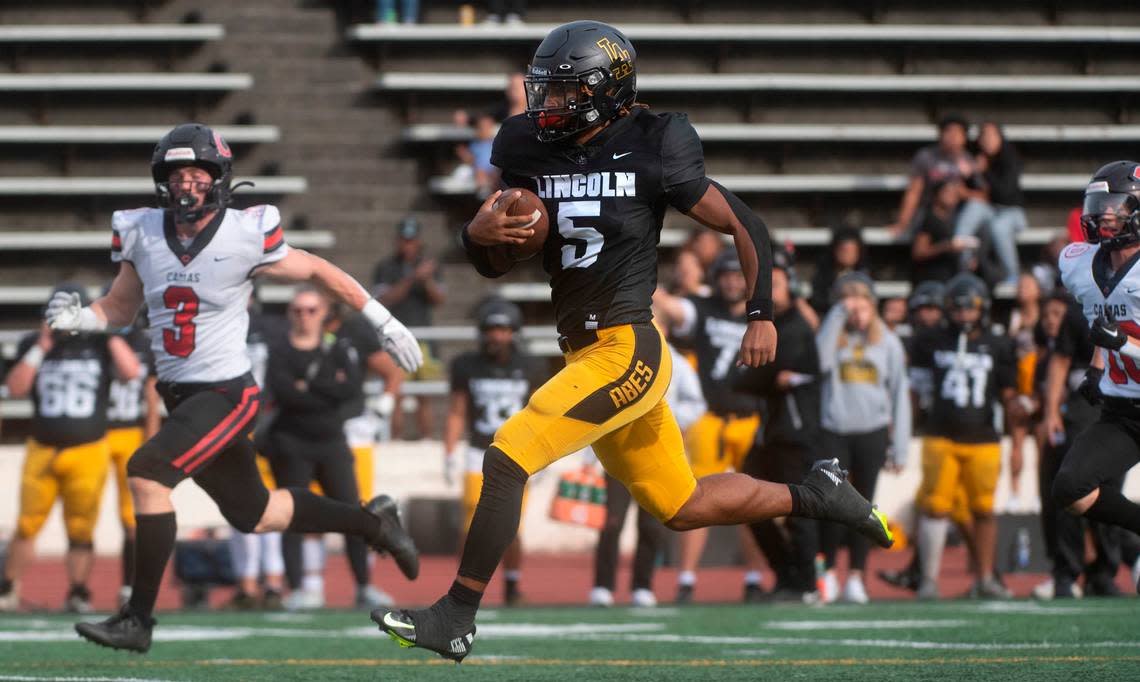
(584, 243)
(184, 302)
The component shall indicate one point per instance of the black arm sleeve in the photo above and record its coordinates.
(760, 305)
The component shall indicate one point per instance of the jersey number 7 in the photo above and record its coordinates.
(184, 302)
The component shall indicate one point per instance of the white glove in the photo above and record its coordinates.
(396, 339)
(64, 313)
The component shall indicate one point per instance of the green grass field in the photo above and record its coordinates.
(1084, 640)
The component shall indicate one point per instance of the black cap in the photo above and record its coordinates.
(408, 228)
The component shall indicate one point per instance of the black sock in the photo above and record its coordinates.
(496, 519)
(1113, 507)
(155, 537)
(464, 596)
(128, 561)
(316, 514)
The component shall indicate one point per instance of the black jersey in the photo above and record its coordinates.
(71, 390)
(967, 381)
(358, 333)
(606, 201)
(716, 336)
(494, 391)
(128, 398)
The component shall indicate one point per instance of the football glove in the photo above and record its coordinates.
(66, 313)
(395, 337)
(1105, 332)
(1090, 386)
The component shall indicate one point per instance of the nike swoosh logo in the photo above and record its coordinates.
(393, 623)
(833, 477)
(618, 156)
(218, 258)
(1112, 333)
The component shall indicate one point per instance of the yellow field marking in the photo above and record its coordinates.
(614, 663)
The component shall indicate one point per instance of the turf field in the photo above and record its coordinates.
(1084, 640)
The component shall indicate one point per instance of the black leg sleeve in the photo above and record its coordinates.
(337, 477)
(868, 454)
(496, 519)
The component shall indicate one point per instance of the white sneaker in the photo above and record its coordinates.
(371, 597)
(644, 598)
(124, 595)
(927, 591)
(854, 592)
(78, 604)
(600, 596)
(10, 601)
(829, 589)
(1043, 590)
(304, 600)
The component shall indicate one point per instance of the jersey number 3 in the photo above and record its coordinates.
(584, 243)
(179, 341)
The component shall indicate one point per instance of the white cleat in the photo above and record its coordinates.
(644, 598)
(829, 589)
(600, 596)
(304, 600)
(854, 592)
(10, 602)
(371, 598)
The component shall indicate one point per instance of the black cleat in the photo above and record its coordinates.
(826, 494)
(904, 579)
(753, 593)
(124, 630)
(684, 595)
(512, 595)
(434, 629)
(392, 538)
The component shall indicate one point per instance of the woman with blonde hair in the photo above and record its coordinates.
(866, 410)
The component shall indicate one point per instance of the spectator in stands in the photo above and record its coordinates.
(936, 249)
(386, 11)
(931, 167)
(894, 312)
(688, 276)
(1045, 270)
(68, 378)
(706, 245)
(997, 206)
(478, 154)
(409, 282)
(866, 414)
(506, 11)
(1023, 321)
(847, 253)
(514, 99)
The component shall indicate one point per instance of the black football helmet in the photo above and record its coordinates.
(193, 144)
(1111, 212)
(928, 293)
(498, 312)
(964, 291)
(582, 75)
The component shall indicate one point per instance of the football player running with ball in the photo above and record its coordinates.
(606, 168)
(1101, 274)
(191, 263)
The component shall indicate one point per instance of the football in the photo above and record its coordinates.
(527, 203)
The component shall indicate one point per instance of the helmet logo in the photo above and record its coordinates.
(613, 50)
(564, 67)
(1099, 186)
(223, 148)
(1136, 173)
(179, 154)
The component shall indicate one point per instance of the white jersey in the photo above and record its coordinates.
(1086, 277)
(197, 293)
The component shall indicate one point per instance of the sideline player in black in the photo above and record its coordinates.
(606, 168)
(68, 377)
(968, 370)
(721, 439)
(489, 385)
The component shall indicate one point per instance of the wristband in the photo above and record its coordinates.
(34, 357)
(375, 312)
(760, 310)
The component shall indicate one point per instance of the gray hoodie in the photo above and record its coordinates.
(865, 387)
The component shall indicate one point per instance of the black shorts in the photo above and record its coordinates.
(1103, 452)
(206, 437)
